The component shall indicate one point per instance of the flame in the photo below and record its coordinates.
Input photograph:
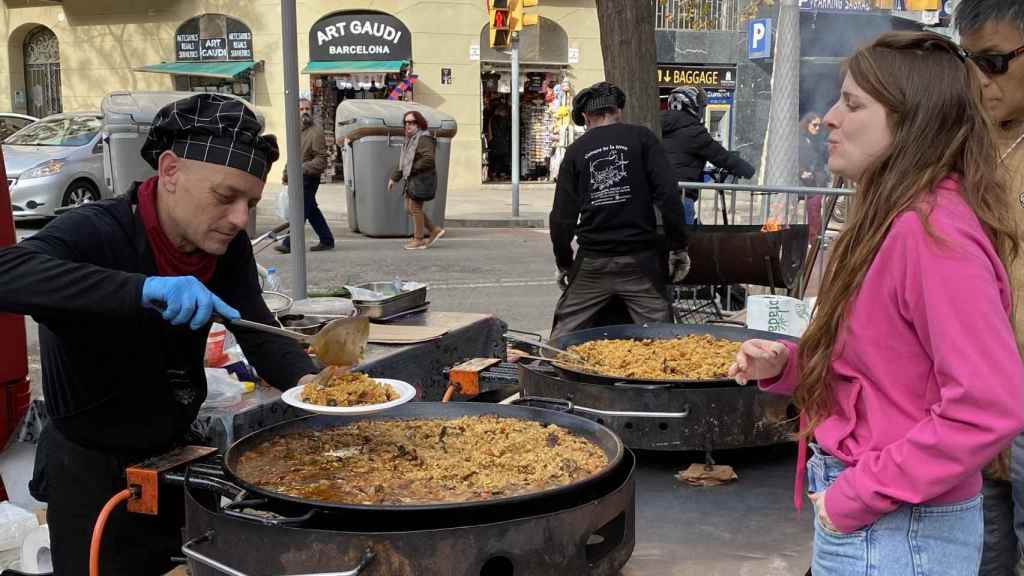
(772, 225)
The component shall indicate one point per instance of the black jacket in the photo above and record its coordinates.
(609, 184)
(689, 147)
(116, 376)
(811, 161)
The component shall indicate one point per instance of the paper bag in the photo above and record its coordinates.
(780, 314)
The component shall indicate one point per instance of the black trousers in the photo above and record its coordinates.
(999, 554)
(310, 185)
(76, 483)
(637, 280)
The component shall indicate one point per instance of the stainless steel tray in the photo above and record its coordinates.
(391, 305)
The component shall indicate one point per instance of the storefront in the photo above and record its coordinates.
(356, 54)
(212, 53)
(545, 97)
(62, 55)
(719, 84)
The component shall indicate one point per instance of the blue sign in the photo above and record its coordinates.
(759, 39)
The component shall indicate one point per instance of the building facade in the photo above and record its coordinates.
(66, 56)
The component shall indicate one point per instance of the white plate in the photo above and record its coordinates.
(406, 392)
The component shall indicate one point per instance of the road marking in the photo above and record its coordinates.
(499, 284)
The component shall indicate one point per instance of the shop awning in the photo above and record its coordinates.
(353, 67)
(208, 69)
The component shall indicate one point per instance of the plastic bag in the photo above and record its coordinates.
(222, 389)
(15, 524)
(363, 294)
(780, 314)
(282, 203)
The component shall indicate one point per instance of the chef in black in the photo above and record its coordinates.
(123, 292)
(609, 184)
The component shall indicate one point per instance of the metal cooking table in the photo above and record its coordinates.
(423, 365)
(745, 528)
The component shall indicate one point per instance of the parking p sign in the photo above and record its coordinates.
(759, 39)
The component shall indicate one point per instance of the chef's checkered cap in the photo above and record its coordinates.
(212, 128)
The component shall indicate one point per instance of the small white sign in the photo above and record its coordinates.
(574, 55)
(474, 52)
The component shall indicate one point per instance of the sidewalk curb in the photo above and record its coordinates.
(521, 222)
(536, 222)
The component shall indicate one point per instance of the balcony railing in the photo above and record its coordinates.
(697, 15)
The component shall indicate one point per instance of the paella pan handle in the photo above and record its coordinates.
(727, 323)
(189, 549)
(566, 406)
(642, 386)
(231, 510)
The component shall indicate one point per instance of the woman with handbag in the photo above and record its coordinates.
(417, 176)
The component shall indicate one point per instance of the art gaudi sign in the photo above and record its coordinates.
(360, 36)
(212, 38)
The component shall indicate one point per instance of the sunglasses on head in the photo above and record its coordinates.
(994, 64)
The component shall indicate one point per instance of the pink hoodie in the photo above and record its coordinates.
(928, 383)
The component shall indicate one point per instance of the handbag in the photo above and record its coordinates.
(422, 186)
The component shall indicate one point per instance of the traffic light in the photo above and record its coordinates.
(499, 26)
(519, 20)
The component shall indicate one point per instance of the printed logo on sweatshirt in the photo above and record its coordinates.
(608, 167)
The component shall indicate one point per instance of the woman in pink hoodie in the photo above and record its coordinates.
(908, 379)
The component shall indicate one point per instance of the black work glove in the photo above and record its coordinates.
(744, 169)
(678, 265)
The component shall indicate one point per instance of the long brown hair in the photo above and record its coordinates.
(939, 127)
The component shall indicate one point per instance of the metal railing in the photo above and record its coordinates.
(745, 205)
(697, 15)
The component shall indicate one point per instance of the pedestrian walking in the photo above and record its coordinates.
(314, 162)
(908, 377)
(416, 176)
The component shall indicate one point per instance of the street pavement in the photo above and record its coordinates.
(502, 269)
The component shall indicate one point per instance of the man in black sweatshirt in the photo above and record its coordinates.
(609, 184)
(123, 291)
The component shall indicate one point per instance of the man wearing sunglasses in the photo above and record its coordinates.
(992, 34)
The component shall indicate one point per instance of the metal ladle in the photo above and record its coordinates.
(341, 342)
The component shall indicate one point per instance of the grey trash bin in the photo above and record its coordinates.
(127, 117)
(376, 133)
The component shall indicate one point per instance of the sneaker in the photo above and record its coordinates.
(436, 236)
(282, 249)
(416, 245)
(321, 247)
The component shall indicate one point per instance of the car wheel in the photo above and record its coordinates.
(80, 192)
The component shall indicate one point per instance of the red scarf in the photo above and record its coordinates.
(169, 260)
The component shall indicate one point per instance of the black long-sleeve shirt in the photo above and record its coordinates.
(689, 147)
(609, 184)
(116, 376)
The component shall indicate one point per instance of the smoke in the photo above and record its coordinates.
(825, 40)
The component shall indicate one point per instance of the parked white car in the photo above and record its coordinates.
(55, 163)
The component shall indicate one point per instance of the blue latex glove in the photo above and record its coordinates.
(184, 299)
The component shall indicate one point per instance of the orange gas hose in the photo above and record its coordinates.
(448, 393)
(97, 531)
